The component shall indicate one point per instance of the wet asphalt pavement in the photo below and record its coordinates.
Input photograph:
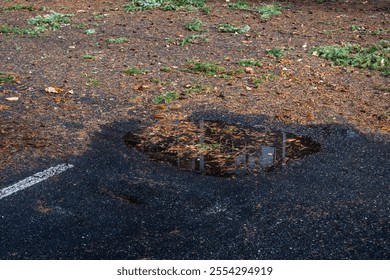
(117, 204)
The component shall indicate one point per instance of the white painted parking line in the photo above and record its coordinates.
(34, 179)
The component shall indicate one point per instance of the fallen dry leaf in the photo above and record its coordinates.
(54, 89)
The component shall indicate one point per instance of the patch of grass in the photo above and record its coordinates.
(275, 52)
(135, 71)
(89, 31)
(93, 82)
(249, 62)
(211, 69)
(262, 79)
(208, 68)
(6, 29)
(18, 7)
(357, 28)
(166, 97)
(172, 5)
(191, 39)
(227, 27)
(53, 20)
(196, 89)
(380, 31)
(99, 17)
(195, 25)
(87, 56)
(270, 10)
(119, 40)
(240, 5)
(375, 57)
(6, 78)
(166, 69)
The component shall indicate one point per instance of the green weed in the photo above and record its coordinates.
(87, 56)
(18, 7)
(6, 78)
(135, 71)
(211, 69)
(166, 69)
(249, 62)
(375, 57)
(275, 52)
(357, 28)
(191, 39)
(53, 20)
(270, 10)
(89, 31)
(119, 40)
(196, 89)
(173, 5)
(166, 97)
(195, 25)
(240, 5)
(227, 27)
(6, 29)
(93, 82)
(262, 79)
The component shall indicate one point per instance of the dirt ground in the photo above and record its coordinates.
(89, 87)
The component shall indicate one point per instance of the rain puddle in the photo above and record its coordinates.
(219, 149)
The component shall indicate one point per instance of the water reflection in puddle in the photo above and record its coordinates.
(218, 148)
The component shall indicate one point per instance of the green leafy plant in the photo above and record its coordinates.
(6, 78)
(240, 5)
(227, 27)
(249, 62)
(208, 68)
(119, 40)
(262, 79)
(357, 28)
(375, 57)
(53, 20)
(6, 29)
(89, 31)
(195, 25)
(166, 97)
(211, 69)
(275, 52)
(135, 71)
(18, 7)
(187, 40)
(141, 5)
(87, 56)
(195, 89)
(192, 39)
(270, 10)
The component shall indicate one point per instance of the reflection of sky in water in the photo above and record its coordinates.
(267, 155)
(229, 150)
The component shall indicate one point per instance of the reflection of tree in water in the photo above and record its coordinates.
(218, 148)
